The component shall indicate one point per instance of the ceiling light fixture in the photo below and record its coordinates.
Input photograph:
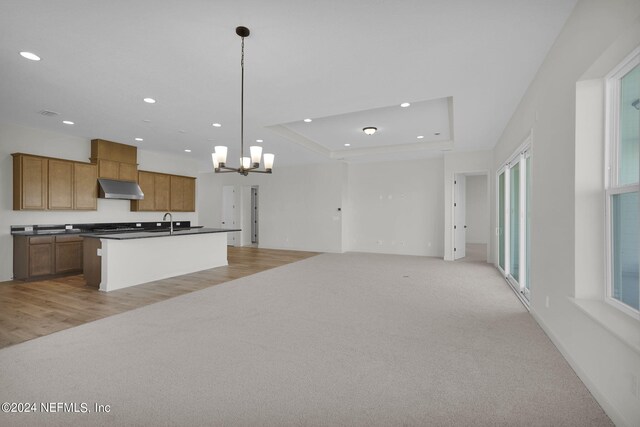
(149, 100)
(30, 55)
(68, 122)
(247, 164)
(308, 120)
(405, 104)
(420, 136)
(369, 130)
(216, 125)
(139, 139)
(187, 150)
(347, 145)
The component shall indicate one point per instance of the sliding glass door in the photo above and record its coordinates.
(514, 226)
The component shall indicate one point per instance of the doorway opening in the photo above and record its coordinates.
(471, 216)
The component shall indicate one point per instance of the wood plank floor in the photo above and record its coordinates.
(32, 309)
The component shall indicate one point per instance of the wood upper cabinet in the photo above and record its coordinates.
(164, 192)
(115, 160)
(41, 183)
(128, 172)
(146, 181)
(183, 191)
(85, 186)
(60, 184)
(30, 177)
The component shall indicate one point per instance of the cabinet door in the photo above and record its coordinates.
(177, 193)
(40, 259)
(146, 180)
(189, 195)
(128, 172)
(68, 257)
(30, 183)
(60, 184)
(85, 186)
(108, 169)
(162, 189)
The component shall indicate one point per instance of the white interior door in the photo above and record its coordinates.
(229, 212)
(459, 211)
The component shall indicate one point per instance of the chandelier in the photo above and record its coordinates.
(247, 164)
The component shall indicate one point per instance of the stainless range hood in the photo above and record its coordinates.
(112, 189)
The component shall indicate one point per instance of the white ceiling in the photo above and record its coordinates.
(345, 63)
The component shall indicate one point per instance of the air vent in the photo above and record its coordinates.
(48, 113)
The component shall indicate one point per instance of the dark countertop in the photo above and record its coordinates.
(147, 234)
(98, 228)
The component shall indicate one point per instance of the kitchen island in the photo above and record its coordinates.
(119, 260)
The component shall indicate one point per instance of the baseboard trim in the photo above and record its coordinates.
(610, 409)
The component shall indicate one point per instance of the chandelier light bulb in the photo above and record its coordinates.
(268, 161)
(256, 153)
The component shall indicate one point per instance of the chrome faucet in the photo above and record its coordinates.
(164, 218)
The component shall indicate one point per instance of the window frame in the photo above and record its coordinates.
(611, 169)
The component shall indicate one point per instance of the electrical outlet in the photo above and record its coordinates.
(138, 224)
(68, 227)
(28, 228)
(158, 224)
(546, 302)
(99, 252)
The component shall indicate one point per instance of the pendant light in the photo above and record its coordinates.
(247, 164)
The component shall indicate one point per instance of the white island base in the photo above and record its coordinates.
(132, 262)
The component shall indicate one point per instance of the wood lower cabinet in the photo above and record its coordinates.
(68, 254)
(30, 182)
(36, 257)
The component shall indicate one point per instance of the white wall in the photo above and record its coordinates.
(461, 162)
(298, 205)
(395, 207)
(14, 139)
(477, 209)
(567, 199)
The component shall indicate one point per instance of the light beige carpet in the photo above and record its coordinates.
(334, 340)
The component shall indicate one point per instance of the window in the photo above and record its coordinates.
(514, 196)
(622, 171)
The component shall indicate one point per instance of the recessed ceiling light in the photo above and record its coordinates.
(150, 100)
(420, 136)
(259, 140)
(437, 133)
(405, 104)
(347, 145)
(187, 151)
(146, 120)
(68, 122)
(182, 131)
(216, 125)
(308, 120)
(139, 139)
(29, 55)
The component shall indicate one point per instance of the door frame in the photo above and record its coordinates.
(470, 172)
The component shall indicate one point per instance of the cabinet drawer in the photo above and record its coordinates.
(40, 240)
(68, 239)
